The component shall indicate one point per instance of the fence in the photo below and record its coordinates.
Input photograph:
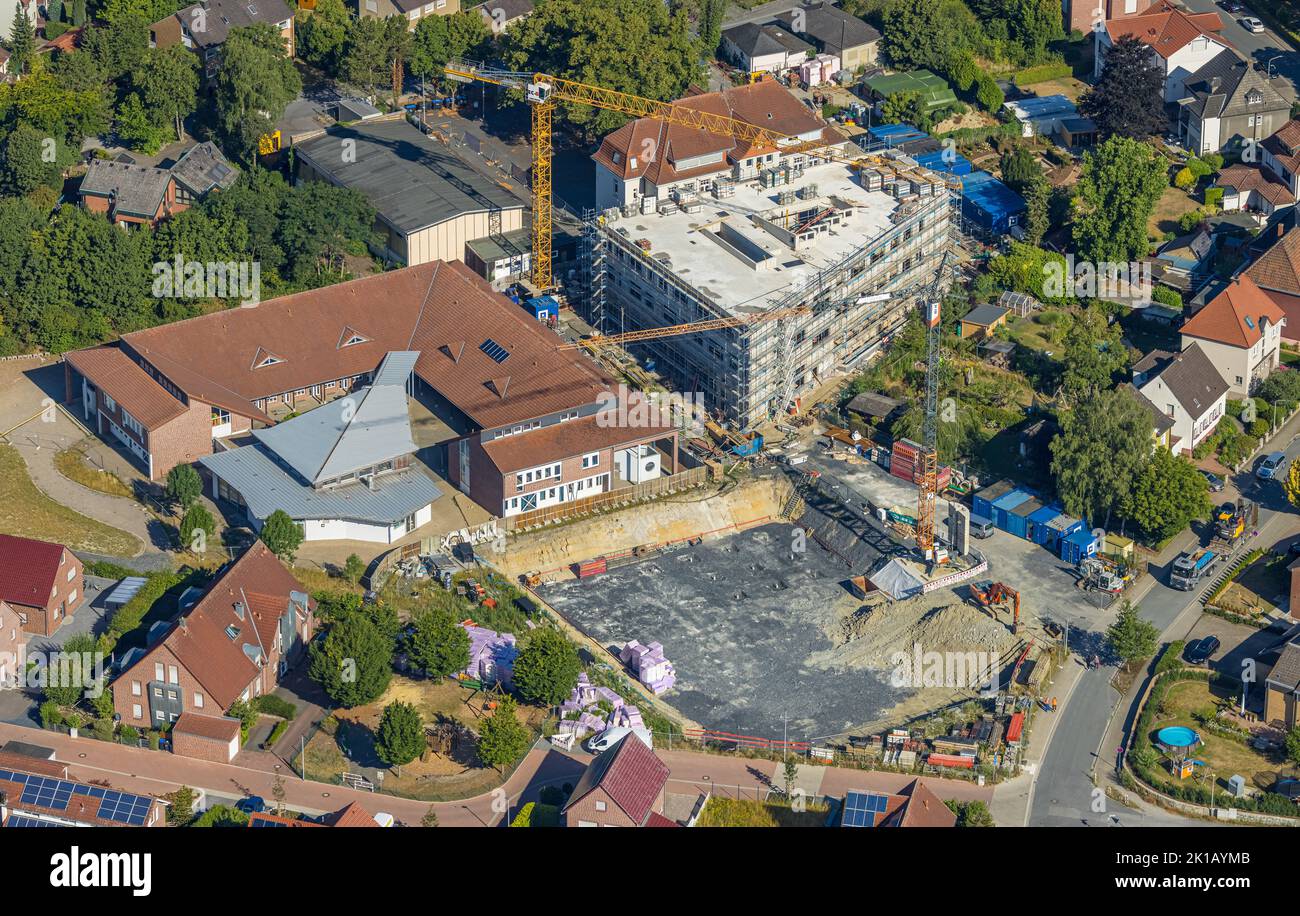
(624, 496)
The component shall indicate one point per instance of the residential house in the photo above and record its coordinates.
(1227, 103)
(341, 471)
(1181, 42)
(524, 419)
(502, 14)
(1277, 273)
(129, 194)
(1041, 116)
(1162, 424)
(1282, 688)
(916, 805)
(1280, 155)
(982, 320)
(38, 792)
(1253, 189)
(621, 787)
(350, 815)
(204, 26)
(1240, 331)
(234, 643)
(411, 10)
(835, 32)
(13, 647)
(1088, 15)
(428, 201)
(756, 48)
(651, 159)
(1188, 389)
(199, 171)
(40, 581)
(1184, 263)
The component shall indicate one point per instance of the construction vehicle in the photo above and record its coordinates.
(1096, 575)
(1191, 568)
(743, 445)
(1001, 593)
(1231, 521)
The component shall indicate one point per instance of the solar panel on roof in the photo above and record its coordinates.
(21, 820)
(493, 349)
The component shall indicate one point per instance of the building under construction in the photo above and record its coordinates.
(754, 232)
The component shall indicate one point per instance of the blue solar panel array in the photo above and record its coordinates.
(494, 350)
(862, 809)
(55, 794)
(22, 820)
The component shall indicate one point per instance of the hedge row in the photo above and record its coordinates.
(1042, 73)
(1233, 573)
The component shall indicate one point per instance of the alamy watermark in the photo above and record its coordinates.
(39, 671)
(951, 670)
(1124, 280)
(629, 409)
(182, 279)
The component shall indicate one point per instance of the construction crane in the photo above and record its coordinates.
(544, 91)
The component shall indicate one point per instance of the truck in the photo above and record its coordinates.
(1190, 568)
(1231, 521)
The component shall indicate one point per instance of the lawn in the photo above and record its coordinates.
(1261, 587)
(1043, 330)
(731, 812)
(72, 464)
(1223, 756)
(1172, 204)
(27, 512)
(347, 743)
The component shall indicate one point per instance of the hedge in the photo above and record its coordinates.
(106, 570)
(535, 814)
(275, 706)
(132, 614)
(1042, 73)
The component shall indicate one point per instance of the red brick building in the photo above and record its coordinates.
(351, 815)
(622, 787)
(41, 581)
(526, 416)
(13, 643)
(235, 643)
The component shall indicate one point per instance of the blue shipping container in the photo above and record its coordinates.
(1039, 533)
(1005, 503)
(1078, 545)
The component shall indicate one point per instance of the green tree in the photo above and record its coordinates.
(282, 535)
(503, 739)
(1033, 24)
(902, 108)
(438, 643)
(430, 818)
(988, 93)
(971, 814)
(247, 715)
(1094, 353)
(365, 57)
(547, 668)
(1128, 99)
(168, 84)
(1168, 494)
(1099, 453)
(197, 518)
(400, 736)
(353, 663)
(927, 34)
(789, 773)
(180, 811)
(353, 568)
(78, 13)
(32, 160)
(323, 35)
(1293, 746)
(318, 224)
(1121, 182)
(136, 128)
(62, 685)
(22, 41)
(184, 486)
(1130, 638)
(254, 84)
(712, 13)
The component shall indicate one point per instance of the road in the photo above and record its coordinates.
(1063, 791)
(1258, 48)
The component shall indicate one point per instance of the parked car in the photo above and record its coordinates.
(1293, 550)
(1198, 651)
(980, 526)
(1214, 480)
(253, 804)
(1271, 466)
(1251, 24)
(1231, 6)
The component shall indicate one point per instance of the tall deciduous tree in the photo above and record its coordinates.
(323, 34)
(168, 83)
(1128, 99)
(255, 83)
(1168, 494)
(1094, 353)
(547, 668)
(1096, 458)
(400, 736)
(281, 534)
(438, 643)
(1121, 182)
(927, 33)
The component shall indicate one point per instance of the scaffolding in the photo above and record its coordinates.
(592, 253)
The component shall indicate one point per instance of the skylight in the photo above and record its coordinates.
(493, 349)
(1250, 322)
(232, 631)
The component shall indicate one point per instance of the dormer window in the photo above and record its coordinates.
(1254, 97)
(264, 358)
(351, 337)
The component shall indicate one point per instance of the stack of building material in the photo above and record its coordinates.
(491, 655)
(905, 459)
(650, 666)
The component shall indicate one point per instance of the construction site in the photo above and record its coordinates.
(755, 276)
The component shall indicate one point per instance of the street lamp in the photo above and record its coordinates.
(1269, 64)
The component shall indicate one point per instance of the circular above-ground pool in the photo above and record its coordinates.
(1177, 736)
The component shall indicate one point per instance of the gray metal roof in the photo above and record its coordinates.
(410, 181)
(266, 485)
(134, 189)
(202, 168)
(352, 433)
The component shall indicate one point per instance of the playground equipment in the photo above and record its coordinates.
(1178, 741)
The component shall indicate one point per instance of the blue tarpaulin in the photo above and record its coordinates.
(990, 204)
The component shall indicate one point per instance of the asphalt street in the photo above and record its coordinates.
(1259, 48)
(1063, 792)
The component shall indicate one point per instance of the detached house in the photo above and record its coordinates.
(622, 787)
(410, 10)
(1186, 388)
(133, 195)
(1282, 688)
(1277, 273)
(768, 48)
(235, 643)
(1181, 42)
(204, 27)
(1280, 155)
(41, 582)
(1240, 331)
(833, 31)
(1228, 103)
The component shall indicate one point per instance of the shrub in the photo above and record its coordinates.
(1166, 296)
(272, 705)
(1259, 428)
(1171, 658)
(129, 734)
(1215, 162)
(103, 729)
(1198, 167)
(1214, 197)
(51, 715)
(222, 816)
(1042, 73)
(535, 814)
(1184, 179)
(106, 570)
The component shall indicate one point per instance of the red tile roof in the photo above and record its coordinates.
(576, 437)
(1167, 28)
(443, 309)
(630, 773)
(924, 808)
(1253, 178)
(1236, 316)
(1278, 269)
(28, 570)
(213, 728)
(656, 147)
(122, 379)
(352, 815)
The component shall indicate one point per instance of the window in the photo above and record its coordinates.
(136, 712)
(172, 676)
(158, 668)
(198, 701)
(591, 461)
(135, 688)
(109, 402)
(71, 573)
(600, 806)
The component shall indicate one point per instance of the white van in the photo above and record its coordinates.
(612, 736)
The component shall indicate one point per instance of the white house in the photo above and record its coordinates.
(1181, 43)
(1240, 331)
(763, 48)
(1187, 389)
